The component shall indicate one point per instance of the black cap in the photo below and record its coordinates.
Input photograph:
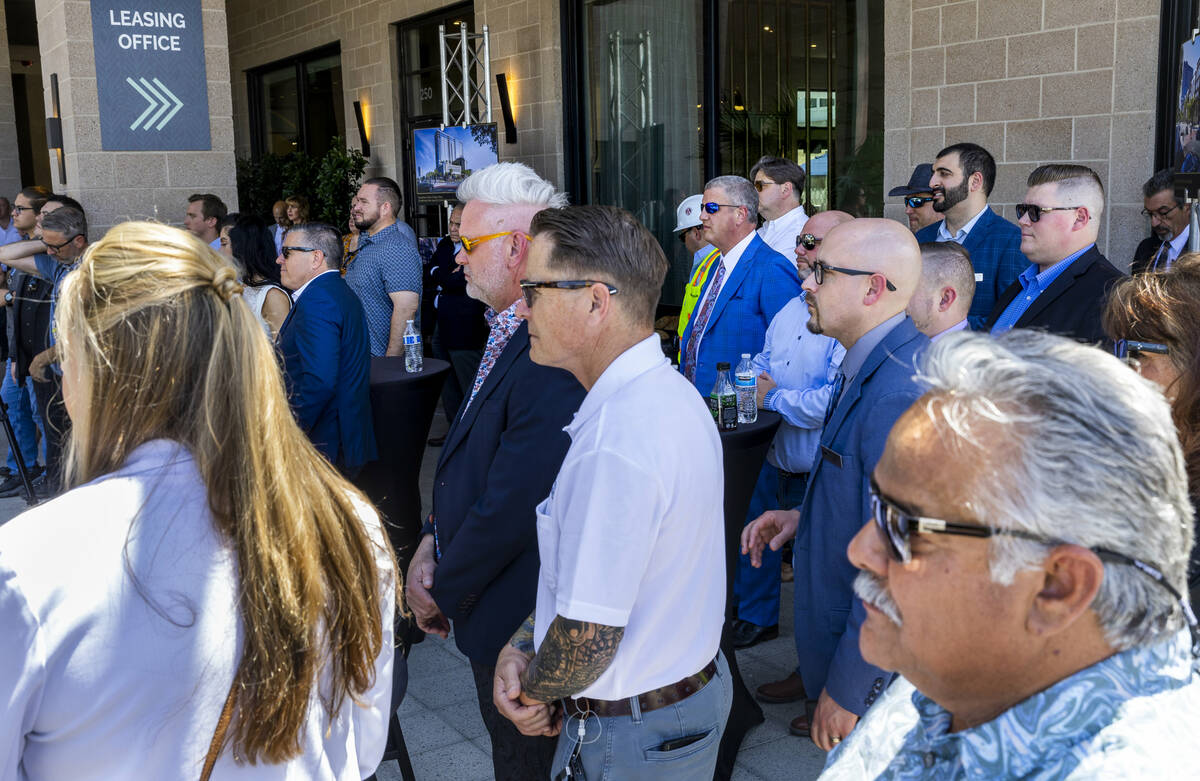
(917, 183)
(722, 366)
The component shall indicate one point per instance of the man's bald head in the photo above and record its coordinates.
(816, 227)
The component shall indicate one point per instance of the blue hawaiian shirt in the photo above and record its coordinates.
(1133, 715)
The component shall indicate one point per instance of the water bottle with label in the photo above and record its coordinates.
(722, 402)
(412, 349)
(747, 390)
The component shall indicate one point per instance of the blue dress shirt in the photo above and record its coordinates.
(803, 365)
(1033, 284)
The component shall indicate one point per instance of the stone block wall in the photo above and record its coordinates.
(1032, 81)
(10, 165)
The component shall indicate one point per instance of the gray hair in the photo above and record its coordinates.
(739, 191)
(1091, 457)
(510, 184)
(67, 221)
(324, 237)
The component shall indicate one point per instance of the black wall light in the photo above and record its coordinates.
(362, 128)
(54, 135)
(510, 127)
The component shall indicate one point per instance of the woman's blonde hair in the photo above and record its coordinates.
(157, 343)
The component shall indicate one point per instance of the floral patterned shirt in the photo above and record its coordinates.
(501, 325)
(1133, 715)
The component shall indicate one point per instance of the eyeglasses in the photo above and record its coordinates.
(683, 234)
(1163, 212)
(1035, 212)
(895, 528)
(286, 251)
(917, 201)
(19, 209)
(713, 207)
(762, 184)
(820, 267)
(1127, 348)
(529, 288)
(808, 241)
(469, 244)
(57, 247)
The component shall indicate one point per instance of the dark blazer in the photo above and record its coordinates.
(327, 366)
(761, 284)
(28, 319)
(460, 320)
(1144, 254)
(499, 462)
(1073, 305)
(995, 247)
(835, 507)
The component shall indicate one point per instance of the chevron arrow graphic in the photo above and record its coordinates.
(161, 101)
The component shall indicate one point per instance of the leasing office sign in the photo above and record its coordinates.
(150, 75)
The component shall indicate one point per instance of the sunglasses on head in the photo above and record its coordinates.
(713, 207)
(1035, 212)
(917, 201)
(808, 241)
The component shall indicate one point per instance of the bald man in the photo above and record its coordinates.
(864, 273)
(943, 298)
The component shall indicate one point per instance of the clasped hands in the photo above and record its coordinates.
(531, 717)
(429, 616)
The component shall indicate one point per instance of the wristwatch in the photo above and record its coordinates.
(8, 297)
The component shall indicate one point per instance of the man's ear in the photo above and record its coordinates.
(1071, 578)
(518, 250)
(949, 296)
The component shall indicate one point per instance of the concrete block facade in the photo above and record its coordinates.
(10, 168)
(1032, 81)
(525, 45)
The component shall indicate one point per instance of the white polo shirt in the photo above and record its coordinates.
(632, 534)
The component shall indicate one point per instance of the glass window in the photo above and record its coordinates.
(299, 104)
(280, 110)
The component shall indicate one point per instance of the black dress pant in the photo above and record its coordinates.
(54, 415)
(515, 757)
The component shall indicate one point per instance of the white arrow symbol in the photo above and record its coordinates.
(156, 101)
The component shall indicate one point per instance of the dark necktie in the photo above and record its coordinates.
(838, 384)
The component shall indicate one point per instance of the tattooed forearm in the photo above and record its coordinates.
(522, 639)
(571, 658)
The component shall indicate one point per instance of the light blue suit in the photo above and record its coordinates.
(837, 504)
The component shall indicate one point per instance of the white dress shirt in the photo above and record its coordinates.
(780, 234)
(300, 290)
(108, 675)
(633, 536)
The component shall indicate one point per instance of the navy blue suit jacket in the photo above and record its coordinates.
(499, 462)
(995, 247)
(327, 366)
(837, 504)
(762, 283)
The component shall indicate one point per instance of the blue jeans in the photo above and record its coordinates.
(25, 416)
(625, 748)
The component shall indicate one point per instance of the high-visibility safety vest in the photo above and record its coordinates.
(693, 289)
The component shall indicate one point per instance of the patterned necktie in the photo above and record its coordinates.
(1163, 254)
(700, 322)
(833, 397)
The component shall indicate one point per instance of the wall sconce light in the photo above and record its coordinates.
(54, 134)
(362, 128)
(510, 127)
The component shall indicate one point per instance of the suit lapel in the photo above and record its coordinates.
(516, 346)
(898, 336)
(734, 280)
(981, 231)
(1059, 286)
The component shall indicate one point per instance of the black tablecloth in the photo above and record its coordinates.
(744, 450)
(402, 405)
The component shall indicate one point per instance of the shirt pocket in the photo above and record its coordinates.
(547, 533)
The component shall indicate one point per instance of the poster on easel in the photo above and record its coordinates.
(1185, 157)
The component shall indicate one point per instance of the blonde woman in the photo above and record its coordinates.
(211, 596)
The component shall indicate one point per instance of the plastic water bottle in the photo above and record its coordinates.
(747, 390)
(412, 349)
(722, 402)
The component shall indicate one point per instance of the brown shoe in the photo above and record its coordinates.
(785, 572)
(790, 689)
(799, 726)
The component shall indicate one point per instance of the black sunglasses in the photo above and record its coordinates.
(57, 247)
(683, 234)
(712, 207)
(1126, 348)
(808, 241)
(1035, 212)
(285, 251)
(820, 267)
(529, 288)
(895, 528)
(917, 201)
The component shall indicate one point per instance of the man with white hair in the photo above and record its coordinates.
(477, 562)
(942, 300)
(1022, 569)
(1063, 292)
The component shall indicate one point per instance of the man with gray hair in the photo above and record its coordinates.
(1023, 571)
(477, 561)
(325, 349)
(1063, 292)
(942, 300)
(747, 287)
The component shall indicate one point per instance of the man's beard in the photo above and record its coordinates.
(870, 588)
(365, 224)
(953, 196)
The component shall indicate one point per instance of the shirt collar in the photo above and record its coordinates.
(1040, 280)
(505, 319)
(1180, 240)
(961, 325)
(301, 289)
(365, 238)
(635, 361)
(730, 260)
(963, 232)
(856, 354)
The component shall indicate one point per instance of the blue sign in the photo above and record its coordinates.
(150, 75)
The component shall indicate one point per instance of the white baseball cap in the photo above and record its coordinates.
(688, 213)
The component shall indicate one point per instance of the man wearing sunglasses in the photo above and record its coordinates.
(963, 176)
(1064, 291)
(864, 275)
(918, 199)
(780, 185)
(1170, 224)
(1023, 567)
(746, 289)
(704, 255)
